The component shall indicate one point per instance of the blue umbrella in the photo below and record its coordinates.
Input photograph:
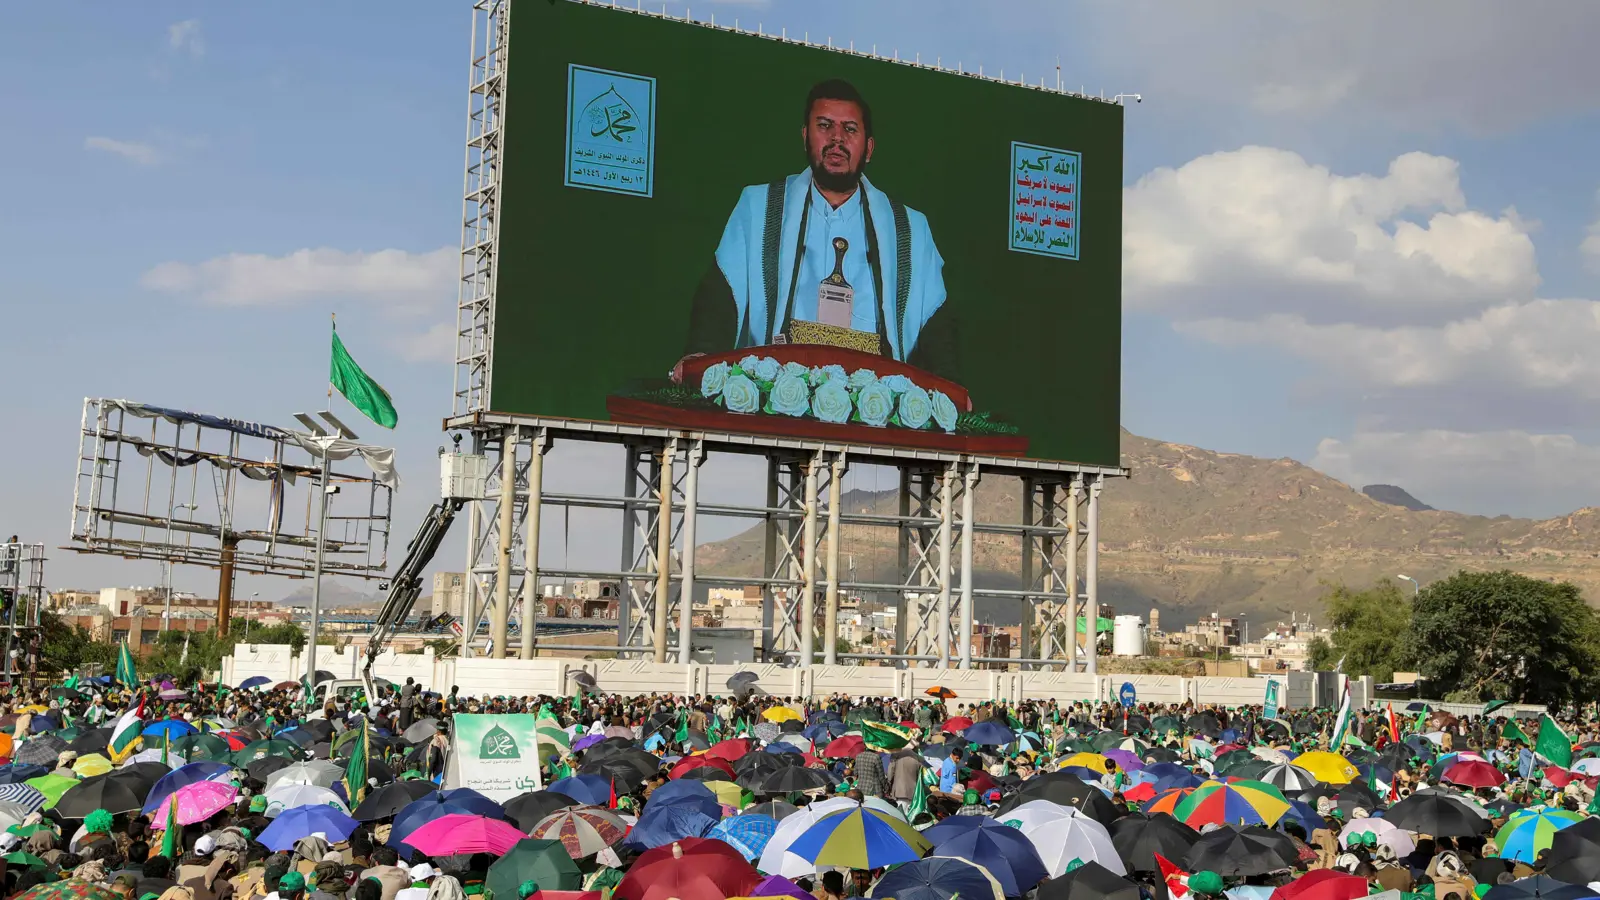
(687, 793)
(254, 681)
(1303, 814)
(955, 825)
(16, 773)
(293, 824)
(781, 747)
(989, 732)
(662, 825)
(592, 790)
(1538, 887)
(204, 770)
(418, 813)
(469, 799)
(1171, 775)
(749, 833)
(169, 728)
(825, 731)
(43, 722)
(1005, 851)
(935, 878)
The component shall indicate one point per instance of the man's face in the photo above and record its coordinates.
(836, 143)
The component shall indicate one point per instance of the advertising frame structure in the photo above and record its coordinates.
(1056, 522)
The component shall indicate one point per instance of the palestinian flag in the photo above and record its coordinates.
(1177, 880)
(1394, 725)
(883, 736)
(1341, 725)
(126, 676)
(125, 735)
(355, 771)
(550, 732)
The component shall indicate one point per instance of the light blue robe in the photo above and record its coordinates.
(740, 257)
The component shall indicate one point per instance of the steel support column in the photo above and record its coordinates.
(808, 562)
(669, 451)
(830, 632)
(499, 627)
(530, 546)
(691, 504)
(969, 488)
(1091, 577)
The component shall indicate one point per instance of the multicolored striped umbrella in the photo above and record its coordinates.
(1238, 803)
(1531, 831)
(1167, 801)
(860, 839)
(582, 830)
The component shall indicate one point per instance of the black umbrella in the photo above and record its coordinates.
(19, 772)
(792, 726)
(525, 810)
(582, 679)
(1267, 728)
(620, 771)
(1575, 853)
(706, 773)
(261, 768)
(1242, 851)
(321, 750)
(1396, 757)
(1064, 789)
(42, 750)
(1139, 837)
(742, 683)
(67, 693)
(322, 728)
(421, 730)
(777, 809)
(1162, 754)
(1305, 725)
(1440, 815)
(95, 740)
(790, 779)
(1135, 723)
(605, 748)
(300, 737)
(1090, 881)
(321, 676)
(388, 799)
(110, 792)
(1204, 723)
(1539, 887)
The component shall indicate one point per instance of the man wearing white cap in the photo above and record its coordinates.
(421, 875)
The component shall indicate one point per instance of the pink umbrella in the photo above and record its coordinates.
(196, 803)
(459, 833)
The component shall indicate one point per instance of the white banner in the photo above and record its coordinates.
(497, 756)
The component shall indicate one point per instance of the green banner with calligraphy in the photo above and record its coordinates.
(713, 230)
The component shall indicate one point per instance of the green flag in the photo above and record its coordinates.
(1514, 732)
(883, 736)
(1553, 743)
(358, 387)
(171, 843)
(683, 728)
(919, 798)
(125, 675)
(355, 771)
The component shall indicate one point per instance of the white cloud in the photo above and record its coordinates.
(403, 283)
(437, 344)
(1511, 472)
(133, 151)
(185, 37)
(1590, 247)
(1260, 231)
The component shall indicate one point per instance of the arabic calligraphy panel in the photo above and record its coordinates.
(1044, 200)
(611, 131)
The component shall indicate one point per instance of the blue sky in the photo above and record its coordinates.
(1355, 235)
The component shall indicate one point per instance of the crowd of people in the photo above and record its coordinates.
(156, 791)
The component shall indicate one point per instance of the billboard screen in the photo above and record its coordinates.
(717, 231)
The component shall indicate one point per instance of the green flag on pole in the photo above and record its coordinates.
(883, 736)
(1553, 743)
(919, 798)
(355, 771)
(1513, 732)
(358, 387)
(682, 734)
(125, 675)
(171, 836)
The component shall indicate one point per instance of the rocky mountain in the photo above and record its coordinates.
(1395, 496)
(1195, 531)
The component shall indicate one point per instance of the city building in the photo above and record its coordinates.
(449, 594)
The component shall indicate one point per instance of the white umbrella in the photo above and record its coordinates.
(289, 796)
(776, 858)
(318, 772)
(1389, 834)
(1587, 766)
(1289, 777)
(172, 760)
(1269, 754)
(1062, 834)
(883, 806)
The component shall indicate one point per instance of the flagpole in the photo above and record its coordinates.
(322, 532)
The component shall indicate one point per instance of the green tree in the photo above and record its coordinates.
(66, 647)
(1369, 631)
(1505, 636)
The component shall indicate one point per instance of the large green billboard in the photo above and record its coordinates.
(719, 231)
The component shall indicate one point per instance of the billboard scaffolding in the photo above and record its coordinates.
(187, 488)
(21, 598)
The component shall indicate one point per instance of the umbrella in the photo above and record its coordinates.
(1008, 853)
(859, 839)
(589, 789)
(776, 858)
(664, 824)
(1323, 884)
(17, 774)
(690, 869)
(767, 732)
(790, 779)
(289, 796)
(693, 794)
(777, 809)
(27, 797)
(459, 833)
(167, 728)
(1383, 832)
(1090, 881)
(41, 750)
(690, 763)
(1242, 851)
(940, 691)
(389, 799)
(938, 878)
(542, 862)
(1064, 789)
(293, 824)
(421, 730)
(1327, 767)
(583, 679)
(113, 793)
(69, 889)
(200, 746)
(1575, 853)
(582, 830)
(779, 886)
(95, 740)
(845, 747)
(731, 750)
(1532, 831)
(527, 809)
(1436, 814)
(1238, 803)
(254, 681)
(320, 773)
(261, 749)
(781, 714)
(53, 787)
(263, 768)
(989, 732)
(196, 802)
(1061, 834)
(1288, 778)
(1474, 773)
(1539, 887)
(1171, 775)
(1139, 837)
(747, 833)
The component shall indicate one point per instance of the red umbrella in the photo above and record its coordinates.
(1323, 884)
(956, 725)
(847, 746)
(1558, 776)
(690, 763)
(1140, 792)
(729, 750)
(1473, 773)
(690, 869)
(458, 833)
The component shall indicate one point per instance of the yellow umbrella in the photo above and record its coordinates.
(1327, 767)
(34, 708)
(728, 793)
(91, 764)
(1088, 760)
(780, 714)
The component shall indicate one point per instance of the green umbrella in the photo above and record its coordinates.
(52, 787)
(201, 746)
(69, 889)
(24, 859)
(1160, 725)
(263, 749)
(28, 831)
(545, 863)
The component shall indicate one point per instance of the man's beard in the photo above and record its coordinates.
(838, 182)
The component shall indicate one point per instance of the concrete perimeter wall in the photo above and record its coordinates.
(519, 677)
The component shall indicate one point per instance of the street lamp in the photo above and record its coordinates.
(253, 596)
(166, 616)
(1415, 587)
